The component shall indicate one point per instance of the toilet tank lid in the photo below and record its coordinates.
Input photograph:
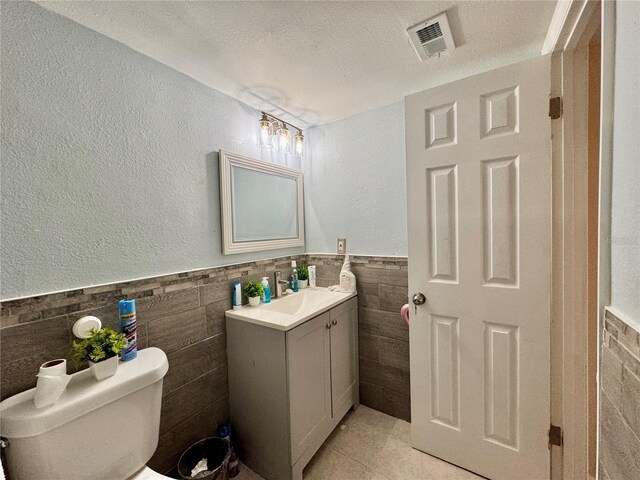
(19, 417)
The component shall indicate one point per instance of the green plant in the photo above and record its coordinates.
(101, 345)
(303, 272)
(253, 289)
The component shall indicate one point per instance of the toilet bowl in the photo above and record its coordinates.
(97, 430)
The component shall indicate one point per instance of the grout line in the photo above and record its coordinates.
(181, 424)
(369, 467)
(196, 379)
(620, 414)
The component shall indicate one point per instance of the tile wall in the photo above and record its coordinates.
(383, 337)
(619, 401)
(183, 314)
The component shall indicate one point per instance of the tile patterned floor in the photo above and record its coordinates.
(369, 445)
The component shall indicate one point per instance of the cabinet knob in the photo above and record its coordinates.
(328, 325)
(334, 322)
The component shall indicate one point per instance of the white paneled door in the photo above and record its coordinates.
(479, 215)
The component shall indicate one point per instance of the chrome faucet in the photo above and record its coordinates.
(278, 282)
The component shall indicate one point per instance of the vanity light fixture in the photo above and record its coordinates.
(274, 132)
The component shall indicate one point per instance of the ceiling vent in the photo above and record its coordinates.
(432, 37)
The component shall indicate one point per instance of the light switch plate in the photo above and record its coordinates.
(342, 246)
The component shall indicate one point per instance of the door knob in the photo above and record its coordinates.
(328, 325)
(419, 298)
(334, 322)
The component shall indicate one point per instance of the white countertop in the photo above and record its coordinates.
(289, 311)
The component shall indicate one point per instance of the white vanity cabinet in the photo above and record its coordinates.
(288, 389)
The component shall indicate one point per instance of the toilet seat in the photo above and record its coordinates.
(147, 474)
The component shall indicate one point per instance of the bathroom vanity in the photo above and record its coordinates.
(293, 375)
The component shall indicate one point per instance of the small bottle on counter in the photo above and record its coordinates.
(294, 276)
(236, 296)
(266, 294)
(312, 276)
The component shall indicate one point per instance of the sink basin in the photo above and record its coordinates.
(289, 304)
(293, 302)
(287, 312)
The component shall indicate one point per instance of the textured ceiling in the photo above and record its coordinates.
(315, 62)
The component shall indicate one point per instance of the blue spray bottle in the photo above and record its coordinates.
(127, 310)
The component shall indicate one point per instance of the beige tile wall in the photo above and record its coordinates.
(619, 401)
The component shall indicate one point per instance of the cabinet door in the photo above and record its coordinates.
(344, 356)
(309, 372)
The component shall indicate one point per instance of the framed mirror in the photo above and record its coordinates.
(261, 205)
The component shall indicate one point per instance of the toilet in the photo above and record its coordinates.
(98, 430)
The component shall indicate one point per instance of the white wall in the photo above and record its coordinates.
(625, 201)
(109, 163)
(355, 184)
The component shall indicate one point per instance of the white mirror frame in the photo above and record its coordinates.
(229, 246)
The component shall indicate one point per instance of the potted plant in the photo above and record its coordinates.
(253, 291)
(101, 351)
(303, 276)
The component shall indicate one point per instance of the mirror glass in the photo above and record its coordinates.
(264, 205)
(261, 205)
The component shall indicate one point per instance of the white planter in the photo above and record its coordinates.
(302, 284)
(254, 301)
(105, 369)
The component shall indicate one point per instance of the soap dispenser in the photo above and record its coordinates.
(266, 294)
(294, 276)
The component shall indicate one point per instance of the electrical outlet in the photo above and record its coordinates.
(342, 246)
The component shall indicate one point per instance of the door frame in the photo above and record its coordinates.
(574, 21)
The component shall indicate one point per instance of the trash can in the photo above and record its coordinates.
(207, 459)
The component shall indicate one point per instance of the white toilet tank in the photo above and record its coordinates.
(98, 430)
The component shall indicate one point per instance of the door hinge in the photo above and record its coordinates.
(555, 435)
(555, 107)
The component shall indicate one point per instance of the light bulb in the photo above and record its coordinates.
(284, 140)
(299, 144)
(264, 138)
